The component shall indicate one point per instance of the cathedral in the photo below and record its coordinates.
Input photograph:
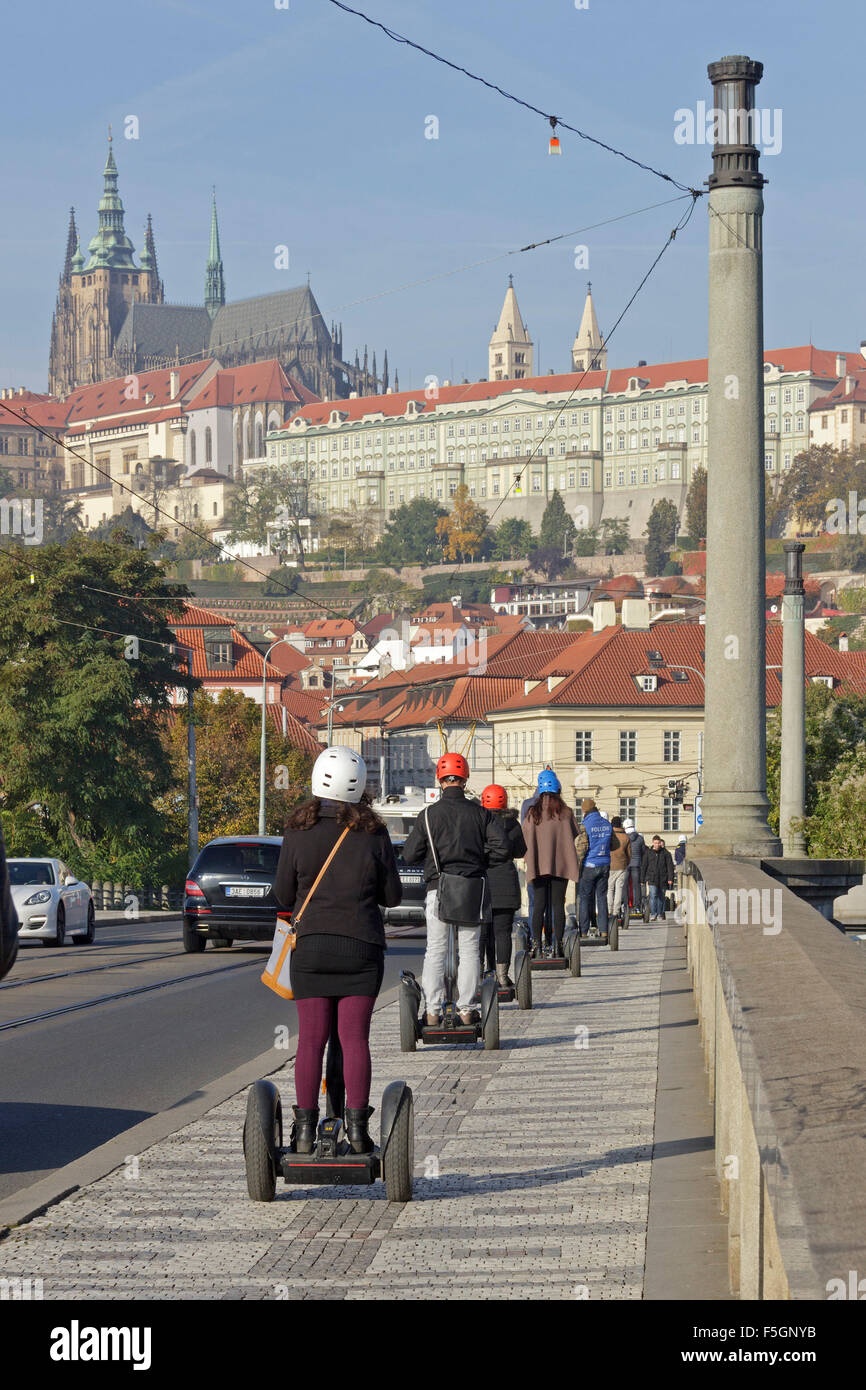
(112, 320)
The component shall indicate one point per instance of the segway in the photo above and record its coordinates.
(610, 938)
(332, 1161)
(631, 911)
(521, 972)
(569, 959)
(451, 1028)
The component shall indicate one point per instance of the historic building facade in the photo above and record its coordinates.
(112, 320)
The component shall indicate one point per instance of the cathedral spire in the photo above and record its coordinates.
(385, 372)
(588, 350)
(71, 244)
(111, 246)
(214, 278)
(148, 259)
(510, 349)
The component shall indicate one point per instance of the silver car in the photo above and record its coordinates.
(52, 904)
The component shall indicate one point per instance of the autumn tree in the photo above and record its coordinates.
(696, 507)
(462, 530)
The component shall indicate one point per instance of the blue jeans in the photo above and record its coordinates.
(656, 900)
(593, 881)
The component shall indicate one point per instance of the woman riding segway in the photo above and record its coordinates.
(504, 888)
(549, 830)
(339, 959)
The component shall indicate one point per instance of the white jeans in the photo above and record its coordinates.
(469, 961)
(615, 887)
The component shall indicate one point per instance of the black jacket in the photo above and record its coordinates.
(502, 878)
(657, 867)
(468, 838)
(362, 874)
(8, 918)
(638, 849)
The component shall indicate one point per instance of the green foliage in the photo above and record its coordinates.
(81, 759)
(834, 627)
(512, 540)
(586, 542)
(696, 507)
(195, 544)
(381, 593)
(410, 535)
(818, 476)
(837, 827)
(614, 536)
(473, 586)
(661, 535)
(281, 582)
(851, 554)
(549, 561)
(672, 567)
(853, 600)
(557, 528)
(835, 739)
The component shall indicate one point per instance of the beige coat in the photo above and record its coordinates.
(550, 848)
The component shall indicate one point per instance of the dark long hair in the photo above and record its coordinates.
(549, 806)
(357, 816)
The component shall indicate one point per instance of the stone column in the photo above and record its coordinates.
(792, 782)
(734, 803)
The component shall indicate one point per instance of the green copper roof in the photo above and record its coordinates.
(111, 246)
(214, 276)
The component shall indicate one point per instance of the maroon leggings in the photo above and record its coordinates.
(353, 1012)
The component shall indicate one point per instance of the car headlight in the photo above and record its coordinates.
(34, 898)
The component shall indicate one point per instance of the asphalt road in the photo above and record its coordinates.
(71, 1082)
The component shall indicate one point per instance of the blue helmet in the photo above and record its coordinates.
(548, 781)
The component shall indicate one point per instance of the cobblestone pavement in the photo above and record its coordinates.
(532, 1174)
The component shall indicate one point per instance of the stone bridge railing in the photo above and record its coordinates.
(781, 999)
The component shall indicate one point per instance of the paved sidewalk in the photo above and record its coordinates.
(533, 1173)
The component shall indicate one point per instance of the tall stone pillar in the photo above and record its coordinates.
(735, 803)
(792, 782)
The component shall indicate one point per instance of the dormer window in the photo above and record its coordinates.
(646, 683)
(823, 680)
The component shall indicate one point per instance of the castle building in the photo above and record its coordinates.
(112, 320)
(588, 351)
(510, 353)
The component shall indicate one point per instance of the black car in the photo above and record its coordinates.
(411, 910)
(230, 892)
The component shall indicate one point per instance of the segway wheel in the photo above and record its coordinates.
(490, 1019)
(613, 934)
(398, 1159)
(263, 1137)
(524, 982)
(574, 958)
(646, 912)
(408, 1028)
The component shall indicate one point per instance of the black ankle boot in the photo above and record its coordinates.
(357, 1131)
(306, 1123)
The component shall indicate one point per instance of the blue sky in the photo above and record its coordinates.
(312, 126)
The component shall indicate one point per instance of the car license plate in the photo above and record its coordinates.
(245, 890)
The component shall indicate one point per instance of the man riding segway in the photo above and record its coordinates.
(504, 889)
(456, 839)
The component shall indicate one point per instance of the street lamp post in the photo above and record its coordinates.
(264, 732)
(792, 778)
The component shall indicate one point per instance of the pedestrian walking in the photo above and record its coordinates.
(638, 845)
(657, 874)
(457, 840)
(620, 857)
(596, 868)
(504, 888)
(336, 870)
(551, 860)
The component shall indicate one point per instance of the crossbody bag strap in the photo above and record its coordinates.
(320, 876)
(432, 842)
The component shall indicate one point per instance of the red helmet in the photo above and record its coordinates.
(494, 797)
(452, 765)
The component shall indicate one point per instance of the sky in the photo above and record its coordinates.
(313, 127)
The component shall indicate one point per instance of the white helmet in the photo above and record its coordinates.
(339, 774)
(628, 825)
(682, 840)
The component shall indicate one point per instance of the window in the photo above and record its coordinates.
(657, 410)
(800, 395)
(620, 477)
(620, 414)
(644, 475)
(607, 479)
(772, 398)
(608, 416)
(628, 745)
(628, 808)
(632, 476)
(584, 478)
(672, 739)
(786, 396)
(768, 463)
(670, 814)
(536, 482)
(583, 746)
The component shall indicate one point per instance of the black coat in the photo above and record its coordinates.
(657, 867)
(361, 876)
(502, 878)
(8, 918)
(468, 838)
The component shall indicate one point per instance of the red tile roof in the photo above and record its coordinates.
(840, 395)
(321, 628)
(111, 398)
(258, 381)
(247, 663)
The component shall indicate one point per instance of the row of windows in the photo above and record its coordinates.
(671, 746)
(674, 408)
(786, 396)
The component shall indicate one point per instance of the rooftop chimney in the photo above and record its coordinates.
(841, 364)
(863, 348)
(843, 641)
(642, 362)
(635, 613)
(603, 614)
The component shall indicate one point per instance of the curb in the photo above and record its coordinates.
(120, 919)
(32, 1201)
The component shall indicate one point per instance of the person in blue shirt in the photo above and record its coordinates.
(596, 867)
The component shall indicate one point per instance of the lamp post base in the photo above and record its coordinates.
(735, 826)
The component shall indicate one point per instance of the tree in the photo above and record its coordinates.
(775, 508)
(411, 537)
(586, 541)
(228, 734)
(196, 544)
(512, 539)
(549, 561)
(851, 554)
(661, 533)
(462, 529)
(81, 758)
(614, 536)
(128, 527)
(557, 528)
(835, 736)
(270, 509)
(815, 488)
(382, 593)
(696, 507)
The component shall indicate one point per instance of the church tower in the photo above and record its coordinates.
(510, 353)
(94, 296)
(214, 276)
(588, 352)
